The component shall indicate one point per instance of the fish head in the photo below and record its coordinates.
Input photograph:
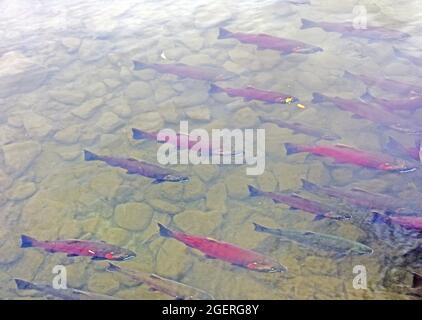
(399, 165)
(120, 254)
(266, 266)
(306, 49)
(362, 250)
(288, 100)
(175, 178)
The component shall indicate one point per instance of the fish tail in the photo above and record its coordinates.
(258, 227)
(23, 284)
(393, 144)
(348, 75)
(112, 267)
(164, 231)
(379, 218)
(139, 134)
(139, 65)
(317, 97)
(224, 33)
(27, 241)
(90, 156)
(417, 280)
(253, 192)
(306, 24)
(397, 52)
(367, 97)
(214, 89)
(292, 148)
(309, 186)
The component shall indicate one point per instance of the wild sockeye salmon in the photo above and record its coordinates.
(360, 198)
(175, 289)
(408, 222)
(186, 71)
(319, 241)
(386, 84)
(297, 127)
(370, 112)
(251, 93)
(65, 294)
(97, 250)
(265, 41)
(348, 30)
(140, 167)
(345, 154)
(189, 142)
(224, 251)
(296, 202)
(408, 103)
(415, 60)
(412, 153)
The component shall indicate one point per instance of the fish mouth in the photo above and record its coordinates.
(307, 50)
(126, 258)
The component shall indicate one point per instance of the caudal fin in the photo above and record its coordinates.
(367, 97)
(291, 148)
(139, 134)
(214, 89)
(397, 52)
(417, 280)
(253, 192)
(139, 65)
(164, 231)
(306, 24)
(348, 75)
(27, 241)
(258, 227)
(112, 267)
(224, 33)
(90, 156)
(317, 97)
(379, 217)
(23, 284)
(309, 186)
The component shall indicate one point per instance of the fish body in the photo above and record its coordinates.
(265, 41)
(251, 93)
(347, 29)
(186, 71)
(143, 168)
(296, 202)
(410, 104)
(386, 84)
(408, 222)
(329, 243)
(358, 197)
(301, 128)
(345, 154)
(170, 287)
(373, 113)
(65, 294)
(97, 250)
(415, 60)
(224, 251)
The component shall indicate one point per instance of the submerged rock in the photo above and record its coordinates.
(18, 156)
(103, 283)
(205, 221)
(109, 122)
(37, 125)
(216, 197)
(68, 135)
(88, 108)
(21, 191)
(139, 90)
(133, 216)
(199, 113)
(71, 44)
(71, 97)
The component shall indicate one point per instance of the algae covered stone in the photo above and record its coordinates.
(18, 156)
(133, 216)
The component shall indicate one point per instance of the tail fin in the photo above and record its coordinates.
(139, 65)
(224, 33)
(112, 267)
(379, 217)
(417, 280)
(27, 241)
(397, 52)
(90, 156)
(291, 148)
(367, 97)
(24, 285)
(214, 89)
(348, 75)
(164, 231)
(258, 227)
(253, 192)
(139, 134)
(306, 24)
(309, 186)
(317, 97)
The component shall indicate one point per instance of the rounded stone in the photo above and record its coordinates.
(103, 283)
(133, 216)
(138, 90)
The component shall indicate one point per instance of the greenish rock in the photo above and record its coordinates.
(88, 108)
(318, 172)
(121, 108)
(194, 42)
(216, 197)
(5, 181)
(21, 191)
(68, 135)
(148, 121)
(109, 122)
(237, 186)
(172, 191)
(115, 236)
(172, 259)
(90, 225)
(199, 113)
(9, 251)
(138, 90)
(267, 181)
(342, 176)
(28, 266)
(164, 92)
(112, 83)
(194, 190)
(71, 97)
(68, 153)
(169, 113)
(212, 15)
(92, 50)
(240, 54)
(71, 44)
(206, 172)
(133, 216)
(97, 89)
(288, 175)
(106, 183)
(71, 229)
(191, 98)
(142, 292)
(76, 274)
(164, 206)
(103, 283)
(197, 59)
(19, 156)
(231, 67)
(205, 221)
(110, 141)
(36, 125)
(245, 118)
